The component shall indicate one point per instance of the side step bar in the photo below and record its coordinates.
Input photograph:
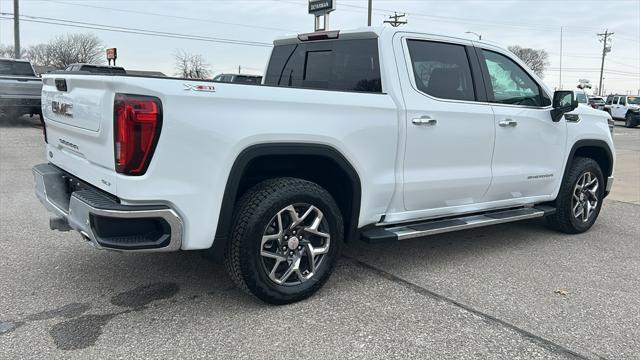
(433, 227)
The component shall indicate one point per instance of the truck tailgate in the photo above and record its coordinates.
(78, 113)
(20, 86)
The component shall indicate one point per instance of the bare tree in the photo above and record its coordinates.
(40, 54)
(6, 51)
(536, 59)
(76, 48)
(191, 66)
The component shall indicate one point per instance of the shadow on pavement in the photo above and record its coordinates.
(20, 122)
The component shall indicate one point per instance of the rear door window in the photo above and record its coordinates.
(441, 70)
(343, 65)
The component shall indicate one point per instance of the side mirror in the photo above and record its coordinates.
(564, 101)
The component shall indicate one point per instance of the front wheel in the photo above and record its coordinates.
(580, 197)
(286, 240)
(628, 121)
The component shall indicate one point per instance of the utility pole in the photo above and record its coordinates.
(604, 38)
(16, 29)
(239, 69)
(396, 20)
(560, 83)
(369, 12)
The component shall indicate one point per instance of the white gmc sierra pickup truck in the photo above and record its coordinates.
(377, 134)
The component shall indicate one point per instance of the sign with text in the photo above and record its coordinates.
(321, 7)
(112, 54)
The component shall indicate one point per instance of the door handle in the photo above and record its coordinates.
(424, 120)
(508, 123)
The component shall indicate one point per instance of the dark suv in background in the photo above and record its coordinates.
(596, 102)
(239, 79)
(99, 69)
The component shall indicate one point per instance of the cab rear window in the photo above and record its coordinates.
(342, 65)
(16, 68)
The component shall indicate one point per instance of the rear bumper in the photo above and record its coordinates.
(20, 100)
(22, 104)
(101, 219)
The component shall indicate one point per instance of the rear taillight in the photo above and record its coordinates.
(137, 124)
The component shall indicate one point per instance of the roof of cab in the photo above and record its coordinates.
(376, 32)
(16, 60)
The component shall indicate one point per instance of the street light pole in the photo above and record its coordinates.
(474, 33)
(16, 29)
(369, 12)
(561, 35)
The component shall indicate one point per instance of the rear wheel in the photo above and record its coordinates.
(580, 197)
(286, 240)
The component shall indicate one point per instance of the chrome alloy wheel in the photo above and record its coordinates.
(294, 244)
(585, 197)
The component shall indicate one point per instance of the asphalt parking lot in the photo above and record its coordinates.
(516, 291)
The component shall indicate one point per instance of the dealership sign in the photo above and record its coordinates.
(112, 55)
(320, 10)
(321, 7)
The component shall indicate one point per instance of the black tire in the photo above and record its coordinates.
(254, 212)
(628, 121)
(564, 219)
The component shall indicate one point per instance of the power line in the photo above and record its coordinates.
(174, 16)
(623, 64)
(84, 25)
(620, 72)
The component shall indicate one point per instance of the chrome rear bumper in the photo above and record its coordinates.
(101, 219)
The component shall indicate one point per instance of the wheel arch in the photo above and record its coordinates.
(247, 170)
(597, 150)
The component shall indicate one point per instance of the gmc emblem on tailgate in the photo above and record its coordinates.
(62, 108)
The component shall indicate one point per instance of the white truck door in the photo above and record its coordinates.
(614, 107)
(530, 148)
(621, 108)
(449, 130)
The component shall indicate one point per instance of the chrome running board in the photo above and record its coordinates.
(439, 226)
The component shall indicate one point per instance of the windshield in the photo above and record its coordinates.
(582, 98)
(635, 100)
(17, 68)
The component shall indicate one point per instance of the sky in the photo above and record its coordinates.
(536, 24)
